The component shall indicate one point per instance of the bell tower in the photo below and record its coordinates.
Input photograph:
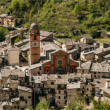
(34, 42)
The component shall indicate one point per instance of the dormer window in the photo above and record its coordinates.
(34, 37)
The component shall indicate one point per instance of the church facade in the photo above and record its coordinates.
(60, 63)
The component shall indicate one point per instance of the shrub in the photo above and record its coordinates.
(76, 38)
(108, 28)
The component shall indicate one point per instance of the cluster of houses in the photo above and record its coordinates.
(38, 67)
(8, 20)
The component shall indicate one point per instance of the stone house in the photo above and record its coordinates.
(46, 36)
(73, 54)
(99, 70)
(14, 56)
(8, 20)
(86, 39)
(25, 97)
(72, 91)
(99, 53)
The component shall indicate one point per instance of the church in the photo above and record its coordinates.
(58, 63)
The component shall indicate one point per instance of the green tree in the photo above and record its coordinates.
(76, 38)
(23, 6)
(76, 9)
(3, 32)
(78, 102)
(15, 4)
(43, 104)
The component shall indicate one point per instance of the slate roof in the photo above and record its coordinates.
(85, 65)
(86, 37)
(51, 47)
(98, 67)
(5, 72)
(107, 56)
(61, 81)
(26, 89)
(73, 85)
(45, 33)
(35, 66)
(18, 72)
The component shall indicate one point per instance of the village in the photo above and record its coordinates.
(39, 66)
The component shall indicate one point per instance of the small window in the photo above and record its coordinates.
(38, 73)
(83, 87)
(58, 97)
(52, 83)
(29, 97)
(27, 83)
(59, 92)
(39, 68)
(34, 37)
(59, 102)
(47, 70)
(98, 76)
(94, 72)
(95, 76)
(87, 89)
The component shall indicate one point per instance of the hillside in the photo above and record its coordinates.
(67, 18)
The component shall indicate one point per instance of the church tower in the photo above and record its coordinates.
(34, 36)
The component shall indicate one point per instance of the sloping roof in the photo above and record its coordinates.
(45, 33)
(26, 89)
(73, 85)
(18, 72)
(35, 66)
(72, 50)
(85, 65)
(107, 56)
(12, 81)
(86, 46)
(51, 47)
(86, 37)
(5, 72)
(98, 67)
(61, 81)
(52, 77)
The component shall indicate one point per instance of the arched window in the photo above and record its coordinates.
(72, 70)
(34, 37)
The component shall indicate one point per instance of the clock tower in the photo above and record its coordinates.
(34, 36)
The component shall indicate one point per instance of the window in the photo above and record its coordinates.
(34, 37)
(59, 92)
(87, 89)
(94, 72)
(27, 83)
(72, 70)
(21, 98)
(47, 70)
(26, 102)
(59, 102)
(29, 97)
(58, 97)
(83, 87)
(95, 76)
(52, 83)
(39, 68)
(98, 76)
(59, 86)
(38, 73)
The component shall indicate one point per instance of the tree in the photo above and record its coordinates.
(23, 6)
(42, 105)
(15, 4)
(78, 102)
(76, 38)
(76, 9)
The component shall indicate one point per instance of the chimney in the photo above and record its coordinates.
(107, 84)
